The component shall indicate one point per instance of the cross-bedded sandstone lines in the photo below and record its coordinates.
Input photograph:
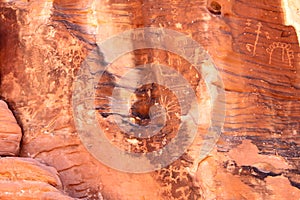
(287, 54)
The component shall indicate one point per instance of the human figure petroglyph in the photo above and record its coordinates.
(252, 47)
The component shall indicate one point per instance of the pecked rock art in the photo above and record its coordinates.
(287, 54)
(44, 43)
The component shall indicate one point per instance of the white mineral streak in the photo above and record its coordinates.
(108, 25)
(292, 14)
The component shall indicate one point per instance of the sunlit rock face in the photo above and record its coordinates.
(40, 56)
(292, 14)
(26, 178)
(44, 43)
(10, 132)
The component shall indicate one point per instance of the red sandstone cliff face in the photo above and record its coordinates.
(43, 45)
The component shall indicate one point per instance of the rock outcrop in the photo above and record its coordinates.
(44, 44)
(26, 178)
(10, 132)
(23, 178)
(245, 174)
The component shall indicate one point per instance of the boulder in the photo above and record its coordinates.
(26, 178)
(10, 132)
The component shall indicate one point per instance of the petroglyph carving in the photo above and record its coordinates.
(252, 47)
(248, 23)
(267, 35)
(286, 52)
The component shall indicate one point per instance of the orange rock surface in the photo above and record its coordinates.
(30, 190)
(26, 179)
(43, 46)
(18, 169)
(10, 132)
(240, 175)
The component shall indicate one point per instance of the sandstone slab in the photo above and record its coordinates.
(10, 132)
(26, 178)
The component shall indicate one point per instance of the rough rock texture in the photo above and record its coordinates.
(15, 168)
(10, 132)
(38, 84)
(292, 14)
(28, 190)
(23, 178)
(245, 174)
(26, 178)
(43, 44)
